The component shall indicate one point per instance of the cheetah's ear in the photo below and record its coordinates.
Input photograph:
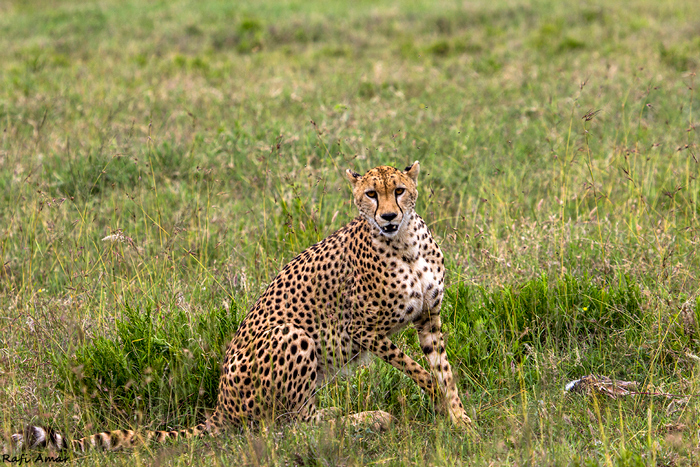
(353, 177)
(412, 171)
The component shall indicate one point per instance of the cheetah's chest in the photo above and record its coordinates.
(419, 288)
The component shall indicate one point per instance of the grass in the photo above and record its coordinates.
(206, 142)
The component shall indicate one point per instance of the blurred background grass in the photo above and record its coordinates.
(207, 140)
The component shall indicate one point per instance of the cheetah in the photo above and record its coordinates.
(337, 301)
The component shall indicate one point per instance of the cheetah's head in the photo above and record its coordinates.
(386, 196)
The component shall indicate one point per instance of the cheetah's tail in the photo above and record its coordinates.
(40, 437)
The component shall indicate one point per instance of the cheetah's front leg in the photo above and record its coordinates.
(387, 351)
(432, 342)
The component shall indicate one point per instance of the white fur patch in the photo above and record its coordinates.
(427, 277)
(434, 359)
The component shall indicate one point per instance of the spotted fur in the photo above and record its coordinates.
(338, 300)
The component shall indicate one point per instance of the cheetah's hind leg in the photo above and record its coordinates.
(273, 378)
(375, 420)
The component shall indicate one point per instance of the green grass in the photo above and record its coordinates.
(559, 156)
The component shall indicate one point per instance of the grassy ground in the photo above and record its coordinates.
(206, 142)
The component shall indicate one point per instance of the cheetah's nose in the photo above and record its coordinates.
(388, 216)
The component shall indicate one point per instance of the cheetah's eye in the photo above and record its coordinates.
(399, 191)
(371, 194)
